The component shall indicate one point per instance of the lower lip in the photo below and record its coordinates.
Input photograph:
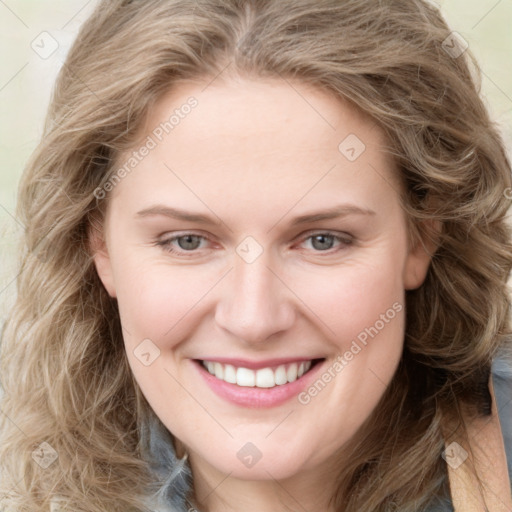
(257, 397)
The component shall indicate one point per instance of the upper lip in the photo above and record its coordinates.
(255, 365)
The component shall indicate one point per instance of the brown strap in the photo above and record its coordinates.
(487, 452)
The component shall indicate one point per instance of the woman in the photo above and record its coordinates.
(269, 246)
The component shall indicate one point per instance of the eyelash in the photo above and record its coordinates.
(166, 243)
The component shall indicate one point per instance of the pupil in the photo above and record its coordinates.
(323, 243)
(189, 239)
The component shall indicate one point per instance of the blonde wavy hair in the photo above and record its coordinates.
(64, 371)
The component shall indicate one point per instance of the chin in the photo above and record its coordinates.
(249, 463)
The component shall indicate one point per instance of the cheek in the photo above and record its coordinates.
(351, 299)
(363, 307)
(156, 301)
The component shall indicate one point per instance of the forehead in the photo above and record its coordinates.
(248, 140)
(258, 111)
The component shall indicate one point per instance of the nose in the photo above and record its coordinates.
(255, 303)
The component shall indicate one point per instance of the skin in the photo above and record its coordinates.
(254, 155)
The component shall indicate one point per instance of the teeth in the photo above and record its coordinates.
(262, 378)
(219, 371)
(245, 377)
(229, 374)
(291, 373)
(280, 375)
(265, 378)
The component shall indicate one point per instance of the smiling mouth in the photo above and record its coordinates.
(268, 377)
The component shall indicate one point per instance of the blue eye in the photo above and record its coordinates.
(188, 244)
(325, 241)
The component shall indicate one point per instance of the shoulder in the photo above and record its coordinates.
(501, 372)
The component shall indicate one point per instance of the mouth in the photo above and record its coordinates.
(272, 376)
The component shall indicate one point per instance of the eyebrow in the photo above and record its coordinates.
(341, 210)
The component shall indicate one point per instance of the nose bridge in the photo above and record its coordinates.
(254, 304)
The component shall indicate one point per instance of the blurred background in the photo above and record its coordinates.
(35, 36)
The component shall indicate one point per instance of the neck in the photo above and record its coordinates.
(217, 492)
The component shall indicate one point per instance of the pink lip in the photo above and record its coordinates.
(254, 397)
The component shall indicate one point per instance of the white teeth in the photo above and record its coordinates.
(291, 373)
(245, 377)
(280, 375)
(262, 378)
(219, 371)
(265, 378)
(229, 374)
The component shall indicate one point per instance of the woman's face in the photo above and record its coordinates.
(260, 230)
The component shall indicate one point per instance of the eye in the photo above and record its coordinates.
(187, 242)
(324, 241)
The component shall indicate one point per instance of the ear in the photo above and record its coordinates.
(99, 251)
(421, 251)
